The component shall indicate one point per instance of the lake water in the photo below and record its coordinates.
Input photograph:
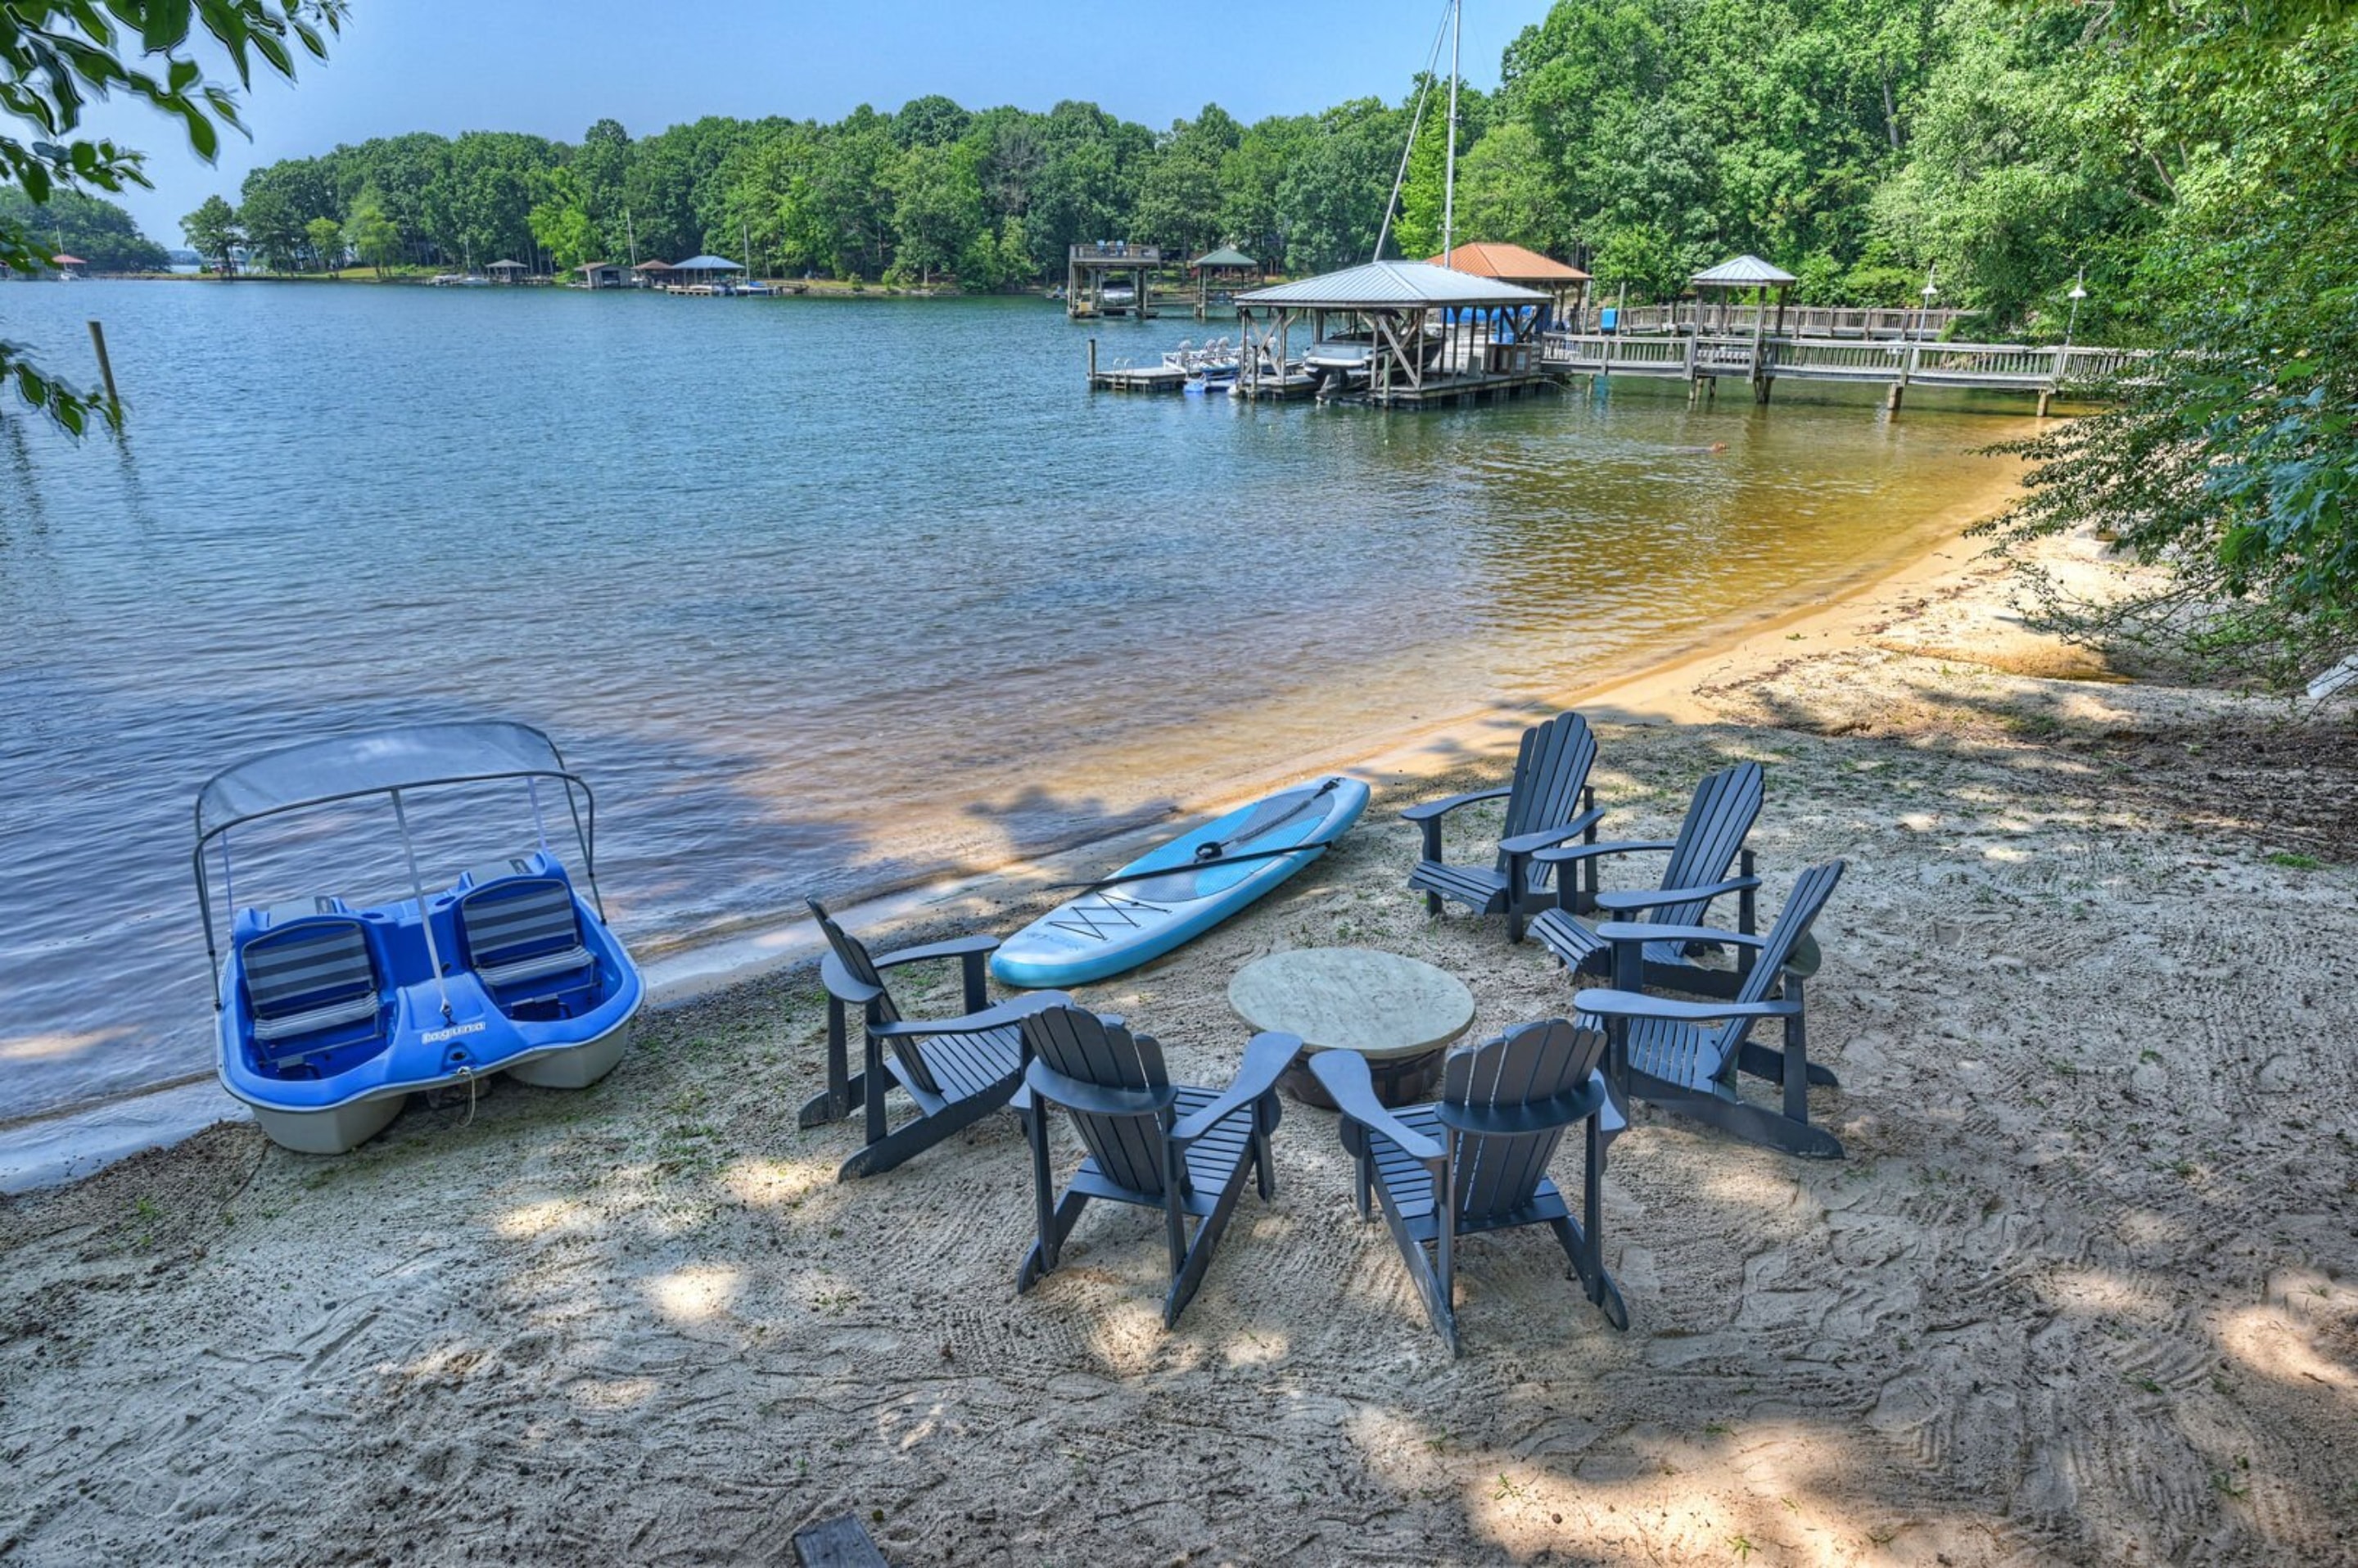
(821, 595)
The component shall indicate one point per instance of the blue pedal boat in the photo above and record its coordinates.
(331, 1014)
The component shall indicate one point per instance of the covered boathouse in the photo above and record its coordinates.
(1565, 287)
(1396, 333)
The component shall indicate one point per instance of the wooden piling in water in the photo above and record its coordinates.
(106, 365)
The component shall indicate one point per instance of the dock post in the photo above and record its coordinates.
(1093, 364)
(106, 365)
(1907, 367)
(2046, 395)
(1760, 389)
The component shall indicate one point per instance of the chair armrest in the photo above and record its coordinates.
(1524, 843)
(1433, 808)
(1266, 1058)
(842, 987)
(1345, 1077)
(1630, 903)
(1050, 1087)
(956, 947)
(1584, 851)
(1640, 931)
(1605, 1003)
(999, 1017)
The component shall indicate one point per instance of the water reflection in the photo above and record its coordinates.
(820, 594)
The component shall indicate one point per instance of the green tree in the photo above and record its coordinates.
(930, 121)
(326, 238)
(374, 237)
(212, 232)
(560, 222)
(97, 230)
(1180, 201)
(937, 208)
(56, 54)
(1505, 191)
(273, 228)
(2231, 459)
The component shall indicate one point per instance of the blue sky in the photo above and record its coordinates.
(551, 67)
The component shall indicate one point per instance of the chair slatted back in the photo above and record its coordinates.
(1092, 1052)
(518, 918)
(852, 953)
(313, 964)
(1549, 769)
(1719, 819)
(1536, 1068)
(1811, 891)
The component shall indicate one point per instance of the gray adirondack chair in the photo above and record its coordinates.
(1153, 1142)
(1670, 1052)
(956, 1070)
(1505, 1105)
(1711, 840)
(1548, 801)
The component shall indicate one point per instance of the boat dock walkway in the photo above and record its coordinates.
(1702, 359)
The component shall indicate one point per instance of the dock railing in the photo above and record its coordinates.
(2020, 366)
(1797, 320)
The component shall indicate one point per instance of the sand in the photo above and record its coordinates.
(2083, 1291)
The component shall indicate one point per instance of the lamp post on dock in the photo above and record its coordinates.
(1931, 292)
(2079, 292)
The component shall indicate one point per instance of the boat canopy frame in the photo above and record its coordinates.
(384, 762)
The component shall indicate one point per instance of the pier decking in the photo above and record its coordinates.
(1702, 359)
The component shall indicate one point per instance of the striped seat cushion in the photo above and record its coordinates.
(522, 930)
(310, 978)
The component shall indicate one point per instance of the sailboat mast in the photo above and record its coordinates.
(1449, 173)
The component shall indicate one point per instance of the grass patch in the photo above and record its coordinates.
(2292, 860)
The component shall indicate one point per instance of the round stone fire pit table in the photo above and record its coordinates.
(1400, 1013)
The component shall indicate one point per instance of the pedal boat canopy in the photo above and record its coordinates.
(387, 763)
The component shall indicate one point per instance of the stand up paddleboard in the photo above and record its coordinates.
(1176, 892)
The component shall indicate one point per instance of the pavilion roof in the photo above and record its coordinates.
(1391, 283)
(1747, 271)
(707, 263)
(1226, 255)
(68, 261)
(1513, 264)
(505, 267)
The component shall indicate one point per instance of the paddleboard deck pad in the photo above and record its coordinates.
(1176, 891)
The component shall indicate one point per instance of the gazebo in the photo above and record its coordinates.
(66, 265)
(1389, 312)
(507, 271)
(1746, 272)
(1231, 265)
(1743, 272)
(1566, 285)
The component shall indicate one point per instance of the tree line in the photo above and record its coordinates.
(2003, 150)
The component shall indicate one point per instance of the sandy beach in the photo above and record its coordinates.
(2084, 1289)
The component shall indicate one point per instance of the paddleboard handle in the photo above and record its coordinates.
(1213, 852)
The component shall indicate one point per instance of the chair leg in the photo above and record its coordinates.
(1041, 1260)
(1750, 1122)
(1189, 1275)
(913, 1138)
(1265, 1119)
(1763, 1063)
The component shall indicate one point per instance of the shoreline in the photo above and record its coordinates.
(71, 1142)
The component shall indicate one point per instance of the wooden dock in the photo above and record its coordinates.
(1701, 361)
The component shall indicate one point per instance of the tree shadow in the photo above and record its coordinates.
(2010, 1324)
